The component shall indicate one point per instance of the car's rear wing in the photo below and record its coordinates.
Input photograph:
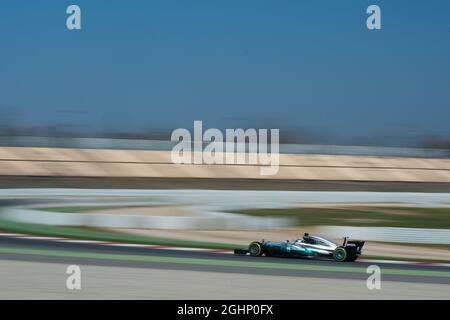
(354, 245)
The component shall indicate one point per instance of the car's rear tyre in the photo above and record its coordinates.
(255, 249)
(352, 257)
(340, 254)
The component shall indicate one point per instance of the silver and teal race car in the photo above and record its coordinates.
(307, 247)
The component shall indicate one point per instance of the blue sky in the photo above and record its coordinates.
(312, 65)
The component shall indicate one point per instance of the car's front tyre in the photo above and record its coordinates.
(255, 249)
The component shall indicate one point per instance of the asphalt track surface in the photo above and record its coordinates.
(100, 255)
(36, 269)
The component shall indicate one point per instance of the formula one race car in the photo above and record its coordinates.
(307, 247)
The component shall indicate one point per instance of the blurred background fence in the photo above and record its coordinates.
(85, 157)
(165, 145)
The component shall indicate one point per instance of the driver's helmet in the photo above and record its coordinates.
(307, 238)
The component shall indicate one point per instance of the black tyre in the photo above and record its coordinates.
(255, 249)
(352, 257)
(340, 254)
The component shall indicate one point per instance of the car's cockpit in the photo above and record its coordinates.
(314, 240)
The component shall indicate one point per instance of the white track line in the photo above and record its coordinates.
(407, 262)
(107, 243)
